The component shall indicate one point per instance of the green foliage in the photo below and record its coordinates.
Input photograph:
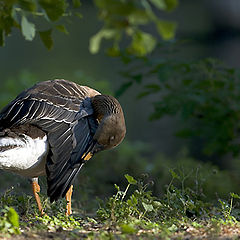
(28, 29)
(127, 18)
(135, 211)
(141, 204)
(207, 179)
(9, 221)
(119, 17)
(204, 94)
(58, 221)
(46, 37)
(26, 15)
(119, 209)
(54, 9)
(167, 215)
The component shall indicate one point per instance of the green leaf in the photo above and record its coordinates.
(118, 8)
(234, 195)
(130, 179)
(117, 187)
(128, 228)
(159, 4)
(76, 3)
(147, 207)
(46, 37)
(157, 204)
(28, 29)
(113, 51)
(62, 29)
(174, 175)
(166, 29)
(142, 43)
(166, 5)
(171, 4)
(95, 41)
(138, 17)
(143, 94)
(13, 217)
(54, 8)
(79, 15)
(123, 88)
(132, 201)
(28, 5)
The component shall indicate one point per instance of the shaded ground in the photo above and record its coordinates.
(128, 214)
(99, 231)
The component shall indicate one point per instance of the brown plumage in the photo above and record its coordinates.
(73, 122)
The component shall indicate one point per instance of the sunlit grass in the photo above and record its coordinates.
(131, 212)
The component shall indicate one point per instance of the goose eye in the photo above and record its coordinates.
(112, 138)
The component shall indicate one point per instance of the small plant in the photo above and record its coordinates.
(9, 221)
(227, 208)
(122, 209)
(131, 212)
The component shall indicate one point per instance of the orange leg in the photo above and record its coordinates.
(36, 190)
(69, 201)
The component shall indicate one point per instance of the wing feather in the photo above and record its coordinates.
(58, 181)
(63, 110)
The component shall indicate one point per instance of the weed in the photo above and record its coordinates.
(9, 221)
(131, 212)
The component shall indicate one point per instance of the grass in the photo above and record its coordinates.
(131, 213)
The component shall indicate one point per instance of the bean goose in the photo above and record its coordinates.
(52, 129)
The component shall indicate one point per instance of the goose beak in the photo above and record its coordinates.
(93, 148)
(97, 148)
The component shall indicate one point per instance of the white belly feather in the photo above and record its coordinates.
(27, 156)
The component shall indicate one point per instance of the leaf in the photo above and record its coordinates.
(46, 37)
(123, 88)
(147, 207)
(28, 29)
(142, 43)
(118, 8)
(160, 4)
(138, 17)
(234, 195)
(174, 175)
(62, 29)
(166, 29)
(143, 94)
(128, 228)
(76, 3)
(28, 5)
(54, 8)
(113, 51)
(171, 4)
(13, 217)
(95, 41)
(117, 187)
(167, 5)
(157, 204)
(137, 77)
(132, 201)
(79, 15)
(130, 179)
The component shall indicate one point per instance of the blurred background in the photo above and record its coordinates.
(208, 28)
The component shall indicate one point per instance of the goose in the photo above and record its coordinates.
(52, 129)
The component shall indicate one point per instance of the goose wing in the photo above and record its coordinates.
(63, 110)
